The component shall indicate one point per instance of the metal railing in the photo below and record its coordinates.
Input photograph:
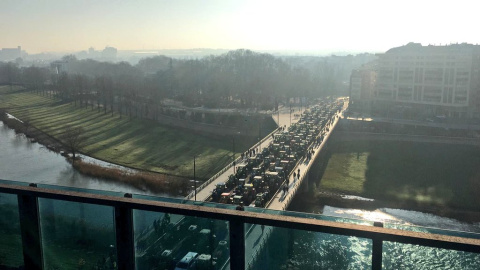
(123, 208)
(331, 125)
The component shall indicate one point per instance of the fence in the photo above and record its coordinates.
(33, 249)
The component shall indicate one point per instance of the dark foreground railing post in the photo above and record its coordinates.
(124, 237)
(237, 244)
(30, 231)
(377, 245)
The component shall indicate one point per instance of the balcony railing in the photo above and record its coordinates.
(52, 221)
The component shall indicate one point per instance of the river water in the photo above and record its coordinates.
(24, 161)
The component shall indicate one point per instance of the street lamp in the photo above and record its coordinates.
(194, 178)
(278, 117)
(233, 152)
(260, 132)
(290, 112)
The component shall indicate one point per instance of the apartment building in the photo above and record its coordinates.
(362, 84)
(436, 80)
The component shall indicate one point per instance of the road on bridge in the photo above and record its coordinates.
(256, 237)
(204, 194)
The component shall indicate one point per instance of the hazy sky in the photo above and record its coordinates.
(333, 25)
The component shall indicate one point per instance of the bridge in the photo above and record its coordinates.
(204, 191)
(280, 200)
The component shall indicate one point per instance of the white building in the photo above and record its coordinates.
(362, 83)
(441, 79)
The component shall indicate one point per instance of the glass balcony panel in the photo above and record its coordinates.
(77, 235)
(406, 256)
(164, 241)
(11, 255)
(269, 247)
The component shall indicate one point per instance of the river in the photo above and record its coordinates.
(24, 161)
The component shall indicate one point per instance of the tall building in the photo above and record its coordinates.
(362, 84)
(438, 80)
(10, 54)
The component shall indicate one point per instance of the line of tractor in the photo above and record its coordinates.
(262, 174)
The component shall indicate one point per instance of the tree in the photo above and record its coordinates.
(27, 124)
(12, 74)
(73, 139)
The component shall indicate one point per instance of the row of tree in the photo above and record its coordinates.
(241, 78)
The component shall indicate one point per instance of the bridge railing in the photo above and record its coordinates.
(126, 250)
(331, 124)
(226, 168)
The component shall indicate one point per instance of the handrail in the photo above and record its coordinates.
(297, 223)
(328, 125)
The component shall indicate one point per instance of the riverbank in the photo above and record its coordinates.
(438, 179)
(35, 135)
(318, 200)
(146, 181)
(156, 183)
(410, 173)
(131, 142)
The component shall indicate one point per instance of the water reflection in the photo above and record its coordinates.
(392, 217)
(374, 216)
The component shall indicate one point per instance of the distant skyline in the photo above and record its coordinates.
(313, 26)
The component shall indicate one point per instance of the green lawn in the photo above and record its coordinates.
(424, 173)
(135, 143)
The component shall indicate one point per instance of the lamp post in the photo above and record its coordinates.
(260, 132)
(290, 112)
(233, 156)
(278, 113)
(194, 178)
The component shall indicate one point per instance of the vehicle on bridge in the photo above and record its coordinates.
(217, 192)
(260, 200)
(237, 199)
(266, 171)
(187, 262)
(226, 197)
(204, 262)
(248, 194)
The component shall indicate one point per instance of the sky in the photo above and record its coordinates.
(295, 25)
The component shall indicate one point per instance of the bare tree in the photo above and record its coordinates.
(27, 124)
(73, 139)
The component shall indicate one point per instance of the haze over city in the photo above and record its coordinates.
(239, 134)
(310, 26)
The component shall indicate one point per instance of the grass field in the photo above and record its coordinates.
(136, 143)
(432, 174)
